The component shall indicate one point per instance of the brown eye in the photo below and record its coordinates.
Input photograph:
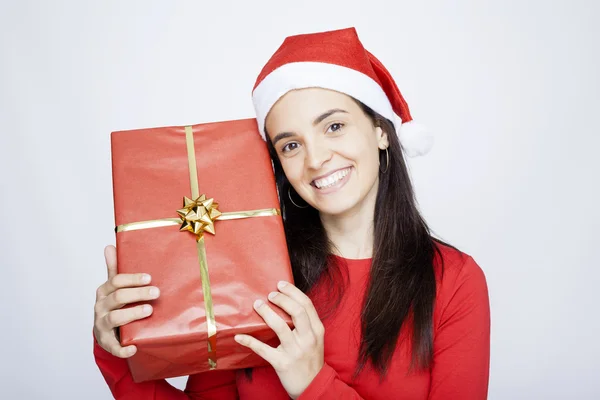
(289, 147)
(335, 127)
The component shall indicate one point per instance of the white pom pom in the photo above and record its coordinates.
(415, 139)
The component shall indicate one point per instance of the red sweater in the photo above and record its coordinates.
(461, 352)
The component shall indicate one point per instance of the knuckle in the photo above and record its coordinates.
(260, 351)
(97, 308)
(310, 340)
(253, 345)
(103, 344)
(106, 345)
(112, 318)
(320, 330)
(120, 296)
(298, 312)
(115, 351)
(98, 334)
(306, 302)
(276, 326)
(279, 325)
(115, 280)
(99, 292)
(99, 325)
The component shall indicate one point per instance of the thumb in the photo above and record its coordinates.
(110, 255)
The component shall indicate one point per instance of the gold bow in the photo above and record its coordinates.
(199, 215)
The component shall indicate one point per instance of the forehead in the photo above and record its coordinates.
(302, 106)
(310, 98)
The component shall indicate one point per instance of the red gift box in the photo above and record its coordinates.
(227, 248)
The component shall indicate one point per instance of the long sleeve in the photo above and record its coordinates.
(328, 385)
(210, 385)
(462, 338)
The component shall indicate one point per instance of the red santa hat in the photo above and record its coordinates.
(337, 60)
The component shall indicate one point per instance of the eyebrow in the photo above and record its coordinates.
(317, 121)
(326, 114)
(281, 136)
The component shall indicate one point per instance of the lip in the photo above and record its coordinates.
(329, 173)
(340, 184)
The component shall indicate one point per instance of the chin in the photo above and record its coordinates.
(335, 207)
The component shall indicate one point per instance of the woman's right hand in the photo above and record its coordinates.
(118, 291)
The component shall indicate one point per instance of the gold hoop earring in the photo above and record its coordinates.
(290, 196)
(387, 164)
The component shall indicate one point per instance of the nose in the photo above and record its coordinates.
(317, 154)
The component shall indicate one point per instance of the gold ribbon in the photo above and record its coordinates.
(197, 216)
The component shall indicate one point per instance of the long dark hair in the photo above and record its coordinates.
(402, 284)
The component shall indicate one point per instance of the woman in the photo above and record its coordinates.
(381, 309)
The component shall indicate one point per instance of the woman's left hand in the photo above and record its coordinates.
(299, 357)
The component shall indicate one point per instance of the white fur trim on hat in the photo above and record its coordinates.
(415, 139)
(301, 75)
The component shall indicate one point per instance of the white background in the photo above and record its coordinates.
(511, 90)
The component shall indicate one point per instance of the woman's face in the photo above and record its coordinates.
(328, 148)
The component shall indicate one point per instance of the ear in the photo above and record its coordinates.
(382, 138)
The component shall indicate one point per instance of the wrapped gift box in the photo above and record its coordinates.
(227, 247)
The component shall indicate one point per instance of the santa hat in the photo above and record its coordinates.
(338, 61)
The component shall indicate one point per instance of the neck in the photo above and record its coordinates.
(352, 232)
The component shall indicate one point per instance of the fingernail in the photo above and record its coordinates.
(237, 338)
(282, 284)
(145, 278)
(147, 309)
(154, 292)
(272, 295)
(258, 303)
(131, 351)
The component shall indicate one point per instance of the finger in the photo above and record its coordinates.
(112, 345)
(268, 353)
(275, 322)
(122, 281)
(297, 295)
(121, 297)
(118, 318)
(110, 256)
(294, 309)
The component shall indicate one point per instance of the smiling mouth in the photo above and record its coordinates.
(331, 180)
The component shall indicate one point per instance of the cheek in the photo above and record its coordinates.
(293, 169)
(372, 158)
(363, 153)
(367, 161)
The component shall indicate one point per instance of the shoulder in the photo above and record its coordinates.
(451, 264)
(461, 282)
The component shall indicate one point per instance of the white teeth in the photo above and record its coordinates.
(331, 179)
